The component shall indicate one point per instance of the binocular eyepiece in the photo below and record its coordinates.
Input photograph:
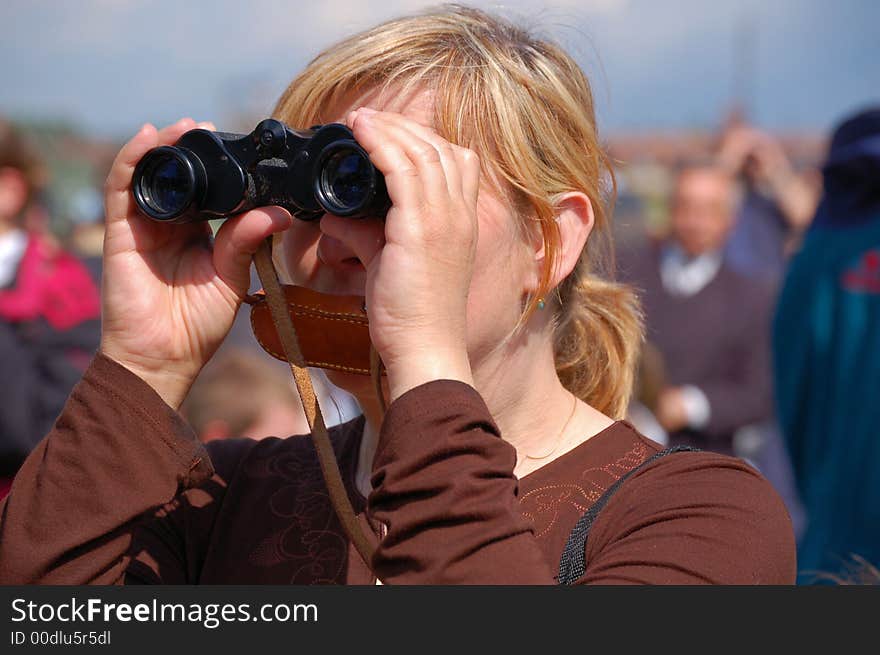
(207, 175)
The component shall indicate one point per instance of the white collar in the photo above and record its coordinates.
(12, 247)
(683, 275)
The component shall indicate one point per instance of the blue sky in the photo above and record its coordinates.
(110, 65)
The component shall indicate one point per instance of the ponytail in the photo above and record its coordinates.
(597, 341)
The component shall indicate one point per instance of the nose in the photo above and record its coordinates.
(335, 253)
(350, 242)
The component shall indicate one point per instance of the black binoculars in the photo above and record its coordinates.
(207, 175)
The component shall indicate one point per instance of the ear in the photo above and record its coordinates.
(575, 219)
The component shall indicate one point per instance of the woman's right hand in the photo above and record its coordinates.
(169, 296)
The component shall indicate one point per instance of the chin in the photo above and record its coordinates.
(356, 384)
(361, 387)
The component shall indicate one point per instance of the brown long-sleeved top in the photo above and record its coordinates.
(121, 491)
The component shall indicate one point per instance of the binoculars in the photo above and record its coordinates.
(207, 175)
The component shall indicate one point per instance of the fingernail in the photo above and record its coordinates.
(280, 217)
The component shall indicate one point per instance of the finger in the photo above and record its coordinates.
(412, 167)
(401, 174)
(449, 196)
(116, 189)
(170, 134)
(469, 165)
(117, 197)
(445, 149)
(239, 238)
(431, 155)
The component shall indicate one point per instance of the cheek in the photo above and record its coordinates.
(298, 251)
(497, 286)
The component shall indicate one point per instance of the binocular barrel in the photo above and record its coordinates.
(207, 175)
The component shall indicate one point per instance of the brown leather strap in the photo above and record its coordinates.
(284, 328)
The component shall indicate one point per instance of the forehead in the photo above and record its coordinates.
(703, 182)
(417, 103)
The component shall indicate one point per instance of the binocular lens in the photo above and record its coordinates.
(166, 185)
(347, 180)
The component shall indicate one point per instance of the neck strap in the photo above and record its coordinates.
(273, 317)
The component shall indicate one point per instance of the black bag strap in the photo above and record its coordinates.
(572, 564)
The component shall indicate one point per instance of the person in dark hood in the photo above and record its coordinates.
(827, 357)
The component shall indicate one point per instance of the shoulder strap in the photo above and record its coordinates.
(572, 564)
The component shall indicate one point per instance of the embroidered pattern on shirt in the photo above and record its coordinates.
(306, 535)
(544, 505)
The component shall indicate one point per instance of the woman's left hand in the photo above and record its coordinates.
(417, 282)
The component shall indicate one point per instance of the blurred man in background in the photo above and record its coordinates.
(826, 345)
(709, 323)
(49, 312)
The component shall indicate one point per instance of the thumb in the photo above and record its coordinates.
(239, 238)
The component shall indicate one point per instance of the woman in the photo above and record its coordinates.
(486, 311)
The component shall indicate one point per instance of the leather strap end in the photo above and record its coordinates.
(333, 331)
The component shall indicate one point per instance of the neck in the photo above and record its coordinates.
(520, 386)
(524, 394)
(690, 256)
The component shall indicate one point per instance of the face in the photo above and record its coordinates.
(702, 212)
(13, 193)
(501, 270)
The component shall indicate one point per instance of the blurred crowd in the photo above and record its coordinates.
(757, 261)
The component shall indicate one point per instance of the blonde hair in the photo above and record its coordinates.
(526, 108)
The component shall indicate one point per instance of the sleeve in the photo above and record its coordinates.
(445, 492)
(170, 544)
(116, 453)
(693, 518)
